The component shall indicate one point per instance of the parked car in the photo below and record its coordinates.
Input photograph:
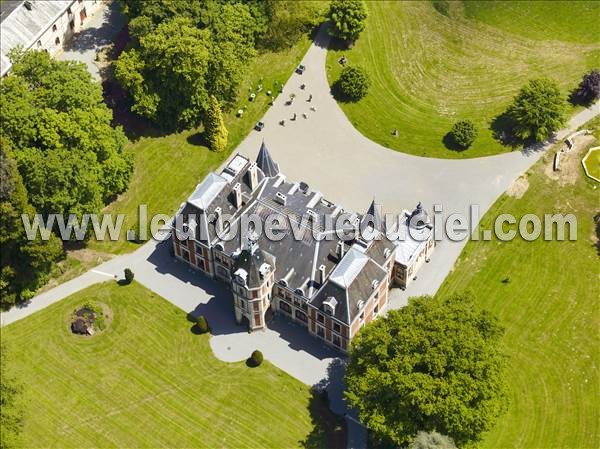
(259, 126)
(300, 69)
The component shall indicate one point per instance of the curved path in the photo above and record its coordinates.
(327, 152)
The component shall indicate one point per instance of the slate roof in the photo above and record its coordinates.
(23, 27)
(349, 297)
(410, 241)
(266, 163)
(296, 255)
(251, 263)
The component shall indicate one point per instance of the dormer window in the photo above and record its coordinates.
(329, 305)
(241, 276)
(264, 270)
(374, 284)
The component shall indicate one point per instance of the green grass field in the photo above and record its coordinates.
(429, 70)
(551, 312)
(147, 381)
(168, 168)
(592, 163)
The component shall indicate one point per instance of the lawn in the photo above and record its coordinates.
(167, 168)
(548, 303)
(147, 381)
(429, 70)
(592, 163)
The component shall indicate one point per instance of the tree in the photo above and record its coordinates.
(431, 440)
(24, 264)
(214, 127)
(432, 365)
(256, 358)
(288, 20)
(463, 133)
(70, 157)
(11, 412)
(353, 84)
(166, 75)
(589, 88)
(537, 110)
(202, 324)
(347, 19)
(233, 34)
(128, 275)
(183, 52)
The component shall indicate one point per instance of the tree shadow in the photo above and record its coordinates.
(339, 95)
(503, 130)
(329, 430)
(198, 139)
(450, 143)
(576, 99)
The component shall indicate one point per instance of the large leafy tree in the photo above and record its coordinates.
(288, 20)
(347, 19)
(166, 75)
(435, 364)
(24, 264)
(233, 34)
(183, 54)
(538, 110)
(70, 157)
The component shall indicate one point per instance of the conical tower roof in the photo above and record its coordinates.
(373, 216)
(266, 163)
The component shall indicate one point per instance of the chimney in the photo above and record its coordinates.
(322, 274)
(340, 250)
(237, 195)
(281, 198)
(218, 220)
(253, 176)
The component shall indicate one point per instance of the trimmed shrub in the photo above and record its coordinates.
(214, 126)
(353, 83)
(202, 324)
(463, 133)
(256, 358)
(128, 276)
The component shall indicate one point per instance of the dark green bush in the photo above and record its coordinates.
(128, 276)
(442, 6)
(353, 84)
(256, 358)
(202, 324)
(463, 133)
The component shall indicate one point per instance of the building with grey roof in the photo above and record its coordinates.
(40, 25)
(324, 267)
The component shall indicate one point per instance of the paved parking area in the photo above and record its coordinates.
(99, 31)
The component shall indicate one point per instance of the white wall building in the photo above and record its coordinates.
(41, 25)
